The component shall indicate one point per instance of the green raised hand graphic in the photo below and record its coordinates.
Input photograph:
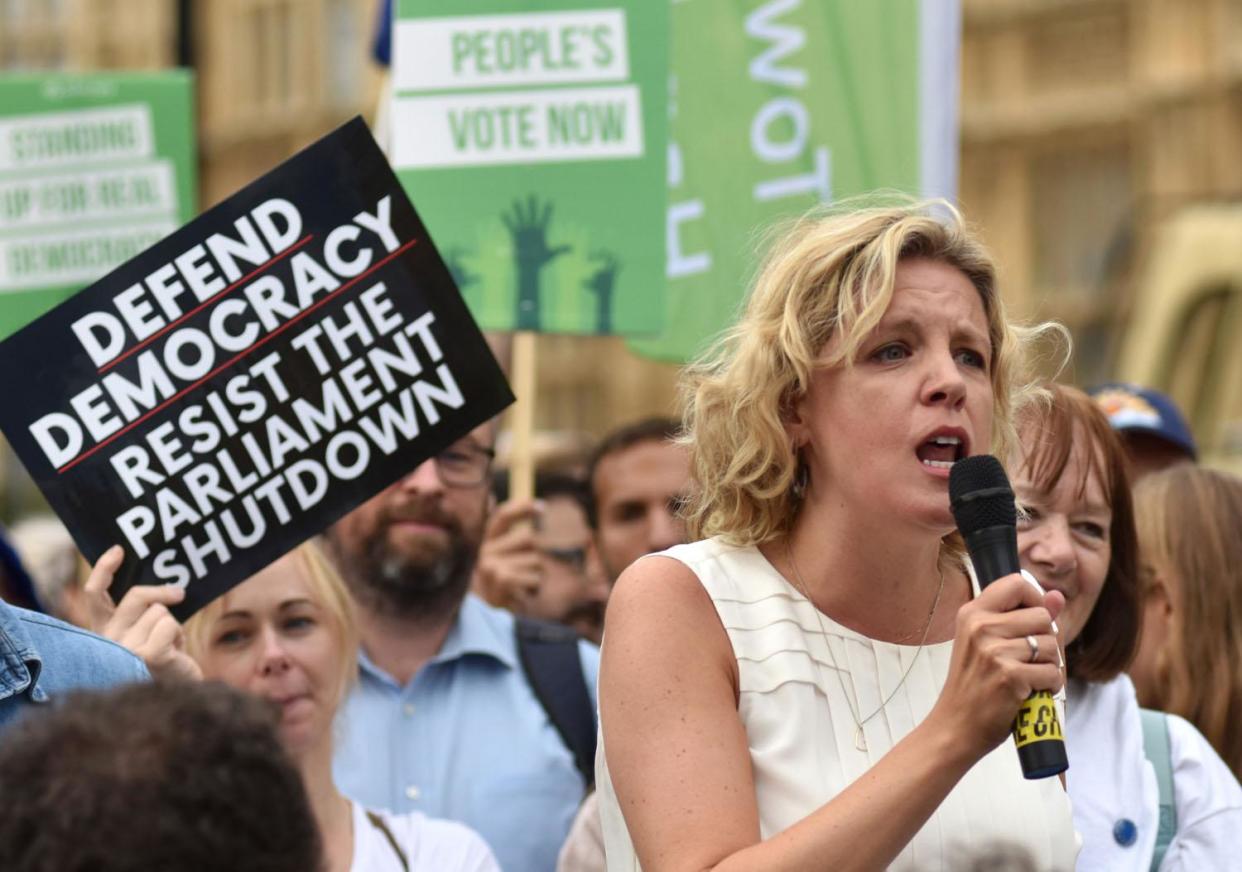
(454, 260)
(601, 283)
(528, 226)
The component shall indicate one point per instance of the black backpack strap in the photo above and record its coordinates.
(549, 657)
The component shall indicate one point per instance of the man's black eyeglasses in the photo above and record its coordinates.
(464, 465)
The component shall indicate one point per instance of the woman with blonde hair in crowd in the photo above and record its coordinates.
(1147, 790)
(287, 634)
(1190, 657)
(819, 684)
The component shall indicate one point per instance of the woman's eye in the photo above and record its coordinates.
(971, 358)
(294, 625)
(1091, 529)
(231, 637)
(891, 354)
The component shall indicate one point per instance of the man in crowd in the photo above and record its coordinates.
(170, 776)
(44, 658)
(1153, 429)
(445, 718)
(638, 479)
(537, 558)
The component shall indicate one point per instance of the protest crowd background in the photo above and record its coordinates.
(589, 282)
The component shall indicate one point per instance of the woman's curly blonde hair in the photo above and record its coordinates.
(827, 274)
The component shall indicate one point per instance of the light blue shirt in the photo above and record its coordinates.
(466, 740)
(42, 658)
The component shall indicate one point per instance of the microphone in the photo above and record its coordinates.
(983, 506)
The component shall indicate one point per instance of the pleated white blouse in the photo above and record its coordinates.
(801, 731)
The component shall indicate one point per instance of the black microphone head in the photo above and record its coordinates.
(980, 495)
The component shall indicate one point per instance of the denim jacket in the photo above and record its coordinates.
(42, 658)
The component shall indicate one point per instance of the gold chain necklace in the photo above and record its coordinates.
(860, 739)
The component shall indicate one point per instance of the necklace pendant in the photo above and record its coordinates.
(860, 741)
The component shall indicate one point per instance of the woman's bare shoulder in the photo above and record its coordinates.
(657, 583)
(660, 607)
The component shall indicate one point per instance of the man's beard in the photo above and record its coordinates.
(390, 583)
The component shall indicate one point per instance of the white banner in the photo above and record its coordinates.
(538, 48)
(518, 127)
(74, 256)
(83, 136)
(30, 201)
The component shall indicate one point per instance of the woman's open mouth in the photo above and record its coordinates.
(941, 451)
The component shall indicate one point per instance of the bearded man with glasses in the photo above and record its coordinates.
(444, 719)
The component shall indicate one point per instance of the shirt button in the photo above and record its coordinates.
(1125, 833)
(408, 708)
(412, 792)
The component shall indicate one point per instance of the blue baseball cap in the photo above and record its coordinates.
(1134, 409)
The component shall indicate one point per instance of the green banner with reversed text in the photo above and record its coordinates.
(778, 105)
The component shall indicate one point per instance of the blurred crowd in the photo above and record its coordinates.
(447, 631)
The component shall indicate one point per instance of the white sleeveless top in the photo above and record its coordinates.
(801, 732)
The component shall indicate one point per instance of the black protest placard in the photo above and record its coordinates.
(252, 377)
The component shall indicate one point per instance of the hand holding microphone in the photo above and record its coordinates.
(983, 506)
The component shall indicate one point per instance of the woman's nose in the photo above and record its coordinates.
(274, 657)
(944, 382)
(1054, 548)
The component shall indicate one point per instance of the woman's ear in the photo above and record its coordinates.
(796, 426)
(1159, 597)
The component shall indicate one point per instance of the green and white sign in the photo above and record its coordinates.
(533, 144)
(777, 105)
(93, 170)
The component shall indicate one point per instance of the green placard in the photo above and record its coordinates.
(782, 104)
(533, 143)
(94, 169)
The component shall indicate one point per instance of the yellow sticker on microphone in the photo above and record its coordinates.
(1037, 720)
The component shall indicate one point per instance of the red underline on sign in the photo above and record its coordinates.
(203, 305)
(232, 360)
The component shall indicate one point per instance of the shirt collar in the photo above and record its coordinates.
(20, 663)
(480, 630)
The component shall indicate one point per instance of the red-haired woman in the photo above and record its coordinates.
(1078, 538)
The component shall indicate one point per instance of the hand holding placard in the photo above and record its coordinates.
(141, 622)
(510, 568)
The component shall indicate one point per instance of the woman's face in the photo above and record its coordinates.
(1064, 540)
(882, 435)
(275, 640)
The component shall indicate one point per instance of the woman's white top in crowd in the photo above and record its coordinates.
(1115, 796)
(801, 731)
(428, 845)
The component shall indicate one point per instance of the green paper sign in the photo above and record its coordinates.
(782, 104)
(94, 169)
(533, 143)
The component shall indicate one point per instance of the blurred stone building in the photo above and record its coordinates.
(1100, 143)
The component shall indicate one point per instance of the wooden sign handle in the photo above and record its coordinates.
(522, 456)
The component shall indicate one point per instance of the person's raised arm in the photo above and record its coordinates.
(141, 621)
(509, 569)
(677, 750)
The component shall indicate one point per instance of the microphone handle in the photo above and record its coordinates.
(1036, 728)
